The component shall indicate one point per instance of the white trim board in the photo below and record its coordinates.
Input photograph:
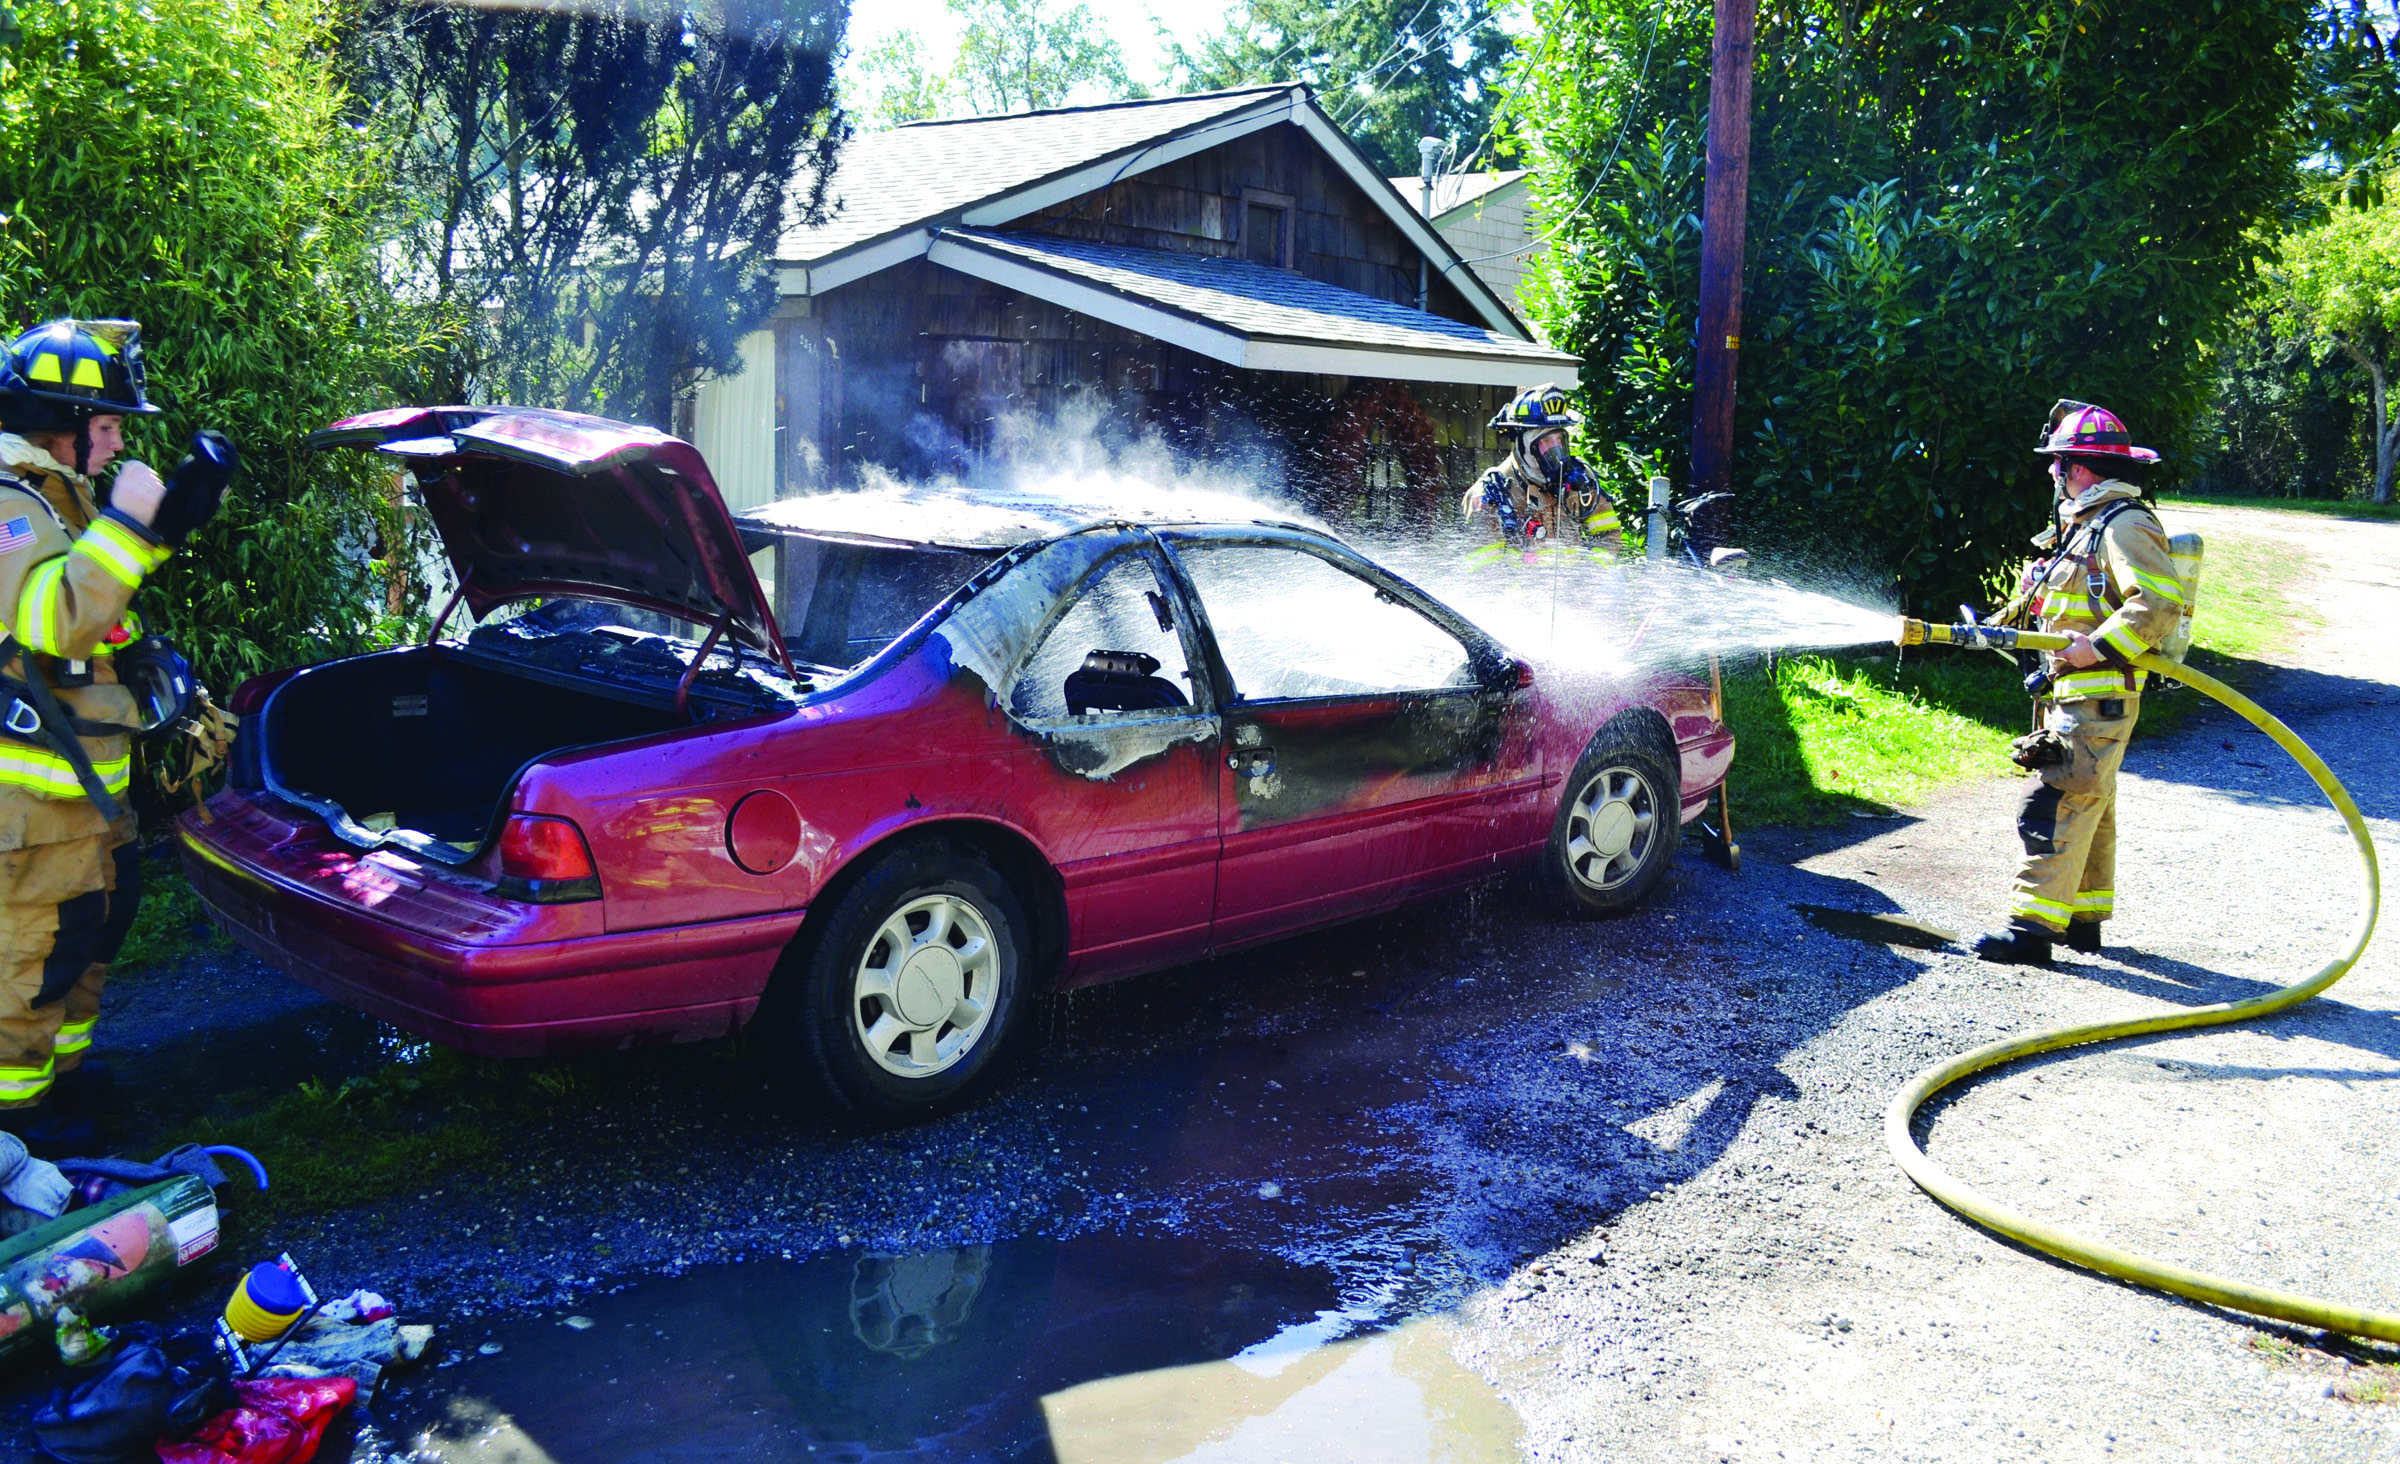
(1093, 177)
(1236, 348)
(1416, 226)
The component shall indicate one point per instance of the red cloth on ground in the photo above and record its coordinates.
(278, 1421)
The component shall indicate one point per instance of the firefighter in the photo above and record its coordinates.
(1540, 493)
(2107, 580)
(71, 557)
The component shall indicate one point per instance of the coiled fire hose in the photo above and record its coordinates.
(2066, 1245)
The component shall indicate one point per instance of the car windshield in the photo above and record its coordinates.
(840, 602)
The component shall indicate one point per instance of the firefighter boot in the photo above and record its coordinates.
(2082, 936)
(2015, 946)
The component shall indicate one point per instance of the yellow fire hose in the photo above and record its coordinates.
(2067, 1246)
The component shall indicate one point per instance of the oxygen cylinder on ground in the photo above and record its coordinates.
(103, 1260)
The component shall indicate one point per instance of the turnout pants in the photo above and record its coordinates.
(2069, 819)
(64, 911)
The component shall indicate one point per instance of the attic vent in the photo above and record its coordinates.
(1267, 227)
(1263, 235)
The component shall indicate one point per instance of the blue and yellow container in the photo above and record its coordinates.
(265, 1303)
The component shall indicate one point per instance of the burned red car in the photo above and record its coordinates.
(965, 751)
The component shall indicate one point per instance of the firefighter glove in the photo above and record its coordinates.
(196, 487)
(2038, 750)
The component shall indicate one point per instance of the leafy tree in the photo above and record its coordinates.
(2290, 415)
(1013, 56)
(1957, 214)
(597, 192)
(890, 84)
(187, 163)
(1391, 71)
(1024, 55)
(2342, 284)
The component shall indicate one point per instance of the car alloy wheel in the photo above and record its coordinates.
(1609, 828)
(925, 988)
(1617, 828)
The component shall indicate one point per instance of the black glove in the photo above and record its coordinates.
(196, 487)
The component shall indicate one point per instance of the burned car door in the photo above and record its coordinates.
(1120, 778)
(1363, 736)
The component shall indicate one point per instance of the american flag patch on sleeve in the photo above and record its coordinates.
(16, 534)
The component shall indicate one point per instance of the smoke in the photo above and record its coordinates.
(1083, 458)
(1582, 613)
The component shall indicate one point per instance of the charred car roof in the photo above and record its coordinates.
(994, 520)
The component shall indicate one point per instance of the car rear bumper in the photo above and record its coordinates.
(464, 968)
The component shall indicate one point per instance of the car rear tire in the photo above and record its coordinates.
(1618, 823)
(909, 995)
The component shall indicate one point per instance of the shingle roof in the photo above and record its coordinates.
(1456, 190)
(885, 182)
(1259, 303)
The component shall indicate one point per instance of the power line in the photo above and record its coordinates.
(1624, 126)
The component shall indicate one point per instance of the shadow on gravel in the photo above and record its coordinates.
(2215, 749)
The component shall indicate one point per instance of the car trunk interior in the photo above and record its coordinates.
(428, 741)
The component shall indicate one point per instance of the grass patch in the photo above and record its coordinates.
(2348, 508)
(1822, 737)
(331, 1145)
(171, 924)
(2245, 607)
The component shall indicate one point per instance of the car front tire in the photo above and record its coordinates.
(909, 995)
(1618, 822)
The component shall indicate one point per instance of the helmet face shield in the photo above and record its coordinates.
(161, 682)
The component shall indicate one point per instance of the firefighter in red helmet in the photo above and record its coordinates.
(2106, 578)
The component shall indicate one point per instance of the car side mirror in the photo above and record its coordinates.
(1509, 674)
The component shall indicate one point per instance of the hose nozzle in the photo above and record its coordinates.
(1990, 637)
(1923, 632)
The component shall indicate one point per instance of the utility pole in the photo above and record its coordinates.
(1723, 215)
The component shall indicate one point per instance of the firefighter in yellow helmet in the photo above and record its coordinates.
(2107, 579)
(1540, 493)
(71, 556)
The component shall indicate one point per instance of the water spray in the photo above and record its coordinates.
(2067, 1246)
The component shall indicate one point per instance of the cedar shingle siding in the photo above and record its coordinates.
(910, 366)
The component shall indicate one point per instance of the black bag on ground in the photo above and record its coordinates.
(118, 1410)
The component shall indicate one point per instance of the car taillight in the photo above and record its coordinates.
(547, 849)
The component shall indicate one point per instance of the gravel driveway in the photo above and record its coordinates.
(1781, 1292)
(1630, 1174)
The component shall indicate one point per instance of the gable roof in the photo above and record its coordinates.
(892, 190)
(1249, 315)
(1454, 191)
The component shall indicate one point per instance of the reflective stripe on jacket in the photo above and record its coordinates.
(67, 575)
(2114, 581)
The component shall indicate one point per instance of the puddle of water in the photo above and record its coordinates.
(1899, 930)
(1098, 1349)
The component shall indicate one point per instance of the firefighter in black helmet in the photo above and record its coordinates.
(1540, 493)
(72, 553)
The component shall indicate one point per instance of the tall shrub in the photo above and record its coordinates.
(185, 163)
(1957, 214)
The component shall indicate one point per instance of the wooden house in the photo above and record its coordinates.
(1226, 271)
